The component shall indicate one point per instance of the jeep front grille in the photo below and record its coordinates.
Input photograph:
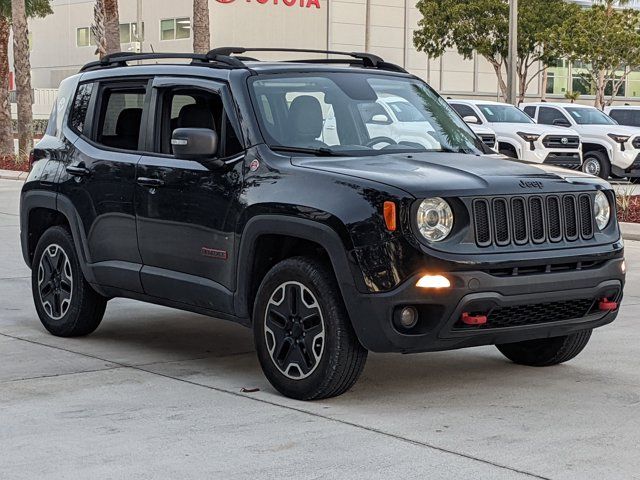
(533, 219)
(561, 141)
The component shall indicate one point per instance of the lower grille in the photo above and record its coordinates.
(534, 314)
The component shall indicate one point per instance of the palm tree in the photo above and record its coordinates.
(201, 32)
(34, 8)
(6, 130)
(572, 96)
(22, 68)
(111, 26)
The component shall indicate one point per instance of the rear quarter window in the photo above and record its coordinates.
(78, 113)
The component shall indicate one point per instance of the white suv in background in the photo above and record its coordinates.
(607, 147)
(625, 115)
(519, 137)
(396, 119)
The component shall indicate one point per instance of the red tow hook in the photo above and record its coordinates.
(468, 319)
(607, 306)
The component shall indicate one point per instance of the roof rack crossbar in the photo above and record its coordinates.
(353, 62)
(120, 59)
(368, 59)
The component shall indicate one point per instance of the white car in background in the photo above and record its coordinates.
(628, 115)
(607, 147)
(397, 119)
(519, 137)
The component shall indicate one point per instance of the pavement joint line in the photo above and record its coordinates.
(55, 375)
(298, 410)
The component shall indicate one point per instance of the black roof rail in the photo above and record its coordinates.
(222, 56)
(368, 60)
(120, 59)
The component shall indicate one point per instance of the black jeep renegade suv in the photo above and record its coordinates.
(334, 206)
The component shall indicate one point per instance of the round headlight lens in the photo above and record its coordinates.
(601, 210)
(435, 219)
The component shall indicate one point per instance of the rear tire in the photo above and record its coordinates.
(305, 343)
(65, 302)
(597, 163)
(545, 352)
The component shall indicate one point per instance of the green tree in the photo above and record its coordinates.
(605, 40)
(482, 26)
(34, 8)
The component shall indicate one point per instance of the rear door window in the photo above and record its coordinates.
(120, 117)
(531, 111)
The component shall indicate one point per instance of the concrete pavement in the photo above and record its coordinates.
(156, 393)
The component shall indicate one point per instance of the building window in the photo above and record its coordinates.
(128, 33)
(84, 37)
(557, 77)
(175, 28)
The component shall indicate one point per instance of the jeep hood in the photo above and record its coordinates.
(452, 174)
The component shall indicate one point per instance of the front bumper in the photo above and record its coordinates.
(564, 160)
(439, 327)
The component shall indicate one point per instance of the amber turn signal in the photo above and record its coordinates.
(390, 216)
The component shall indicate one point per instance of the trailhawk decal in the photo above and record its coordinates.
(213, 253)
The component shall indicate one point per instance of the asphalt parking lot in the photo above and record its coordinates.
(156, 393)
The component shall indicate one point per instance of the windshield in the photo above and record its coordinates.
(357, 114)
(504, 114)
(589, 116)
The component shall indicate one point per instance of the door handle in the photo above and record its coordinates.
(78, 170)
(150, 182)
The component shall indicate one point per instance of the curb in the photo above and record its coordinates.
(630, 231)
(13, 175)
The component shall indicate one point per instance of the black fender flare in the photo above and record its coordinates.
(59, 203)
(305, 229)
(30, 200)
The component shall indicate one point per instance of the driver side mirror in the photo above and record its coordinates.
(471, 119)
(194, 143)
(380, 119)
(561, 122)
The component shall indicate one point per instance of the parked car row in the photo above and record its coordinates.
(606, 144)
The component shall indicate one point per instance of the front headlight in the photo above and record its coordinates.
(529, 137)
(435, 219)
(601, 210)
(619, 138)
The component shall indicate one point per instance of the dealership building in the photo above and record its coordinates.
(62, 42)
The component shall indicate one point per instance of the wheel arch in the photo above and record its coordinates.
(268, 239)
(591, 146)
(51, 209)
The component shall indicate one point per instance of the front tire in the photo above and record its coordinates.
(545, 352)
(305, 343)
(65, 302)
(596, 163)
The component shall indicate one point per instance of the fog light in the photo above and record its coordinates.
(433, 281)
(408, 317)
(623, 267)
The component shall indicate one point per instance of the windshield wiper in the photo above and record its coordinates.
(319, 152)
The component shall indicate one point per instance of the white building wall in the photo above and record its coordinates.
(336, 24)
